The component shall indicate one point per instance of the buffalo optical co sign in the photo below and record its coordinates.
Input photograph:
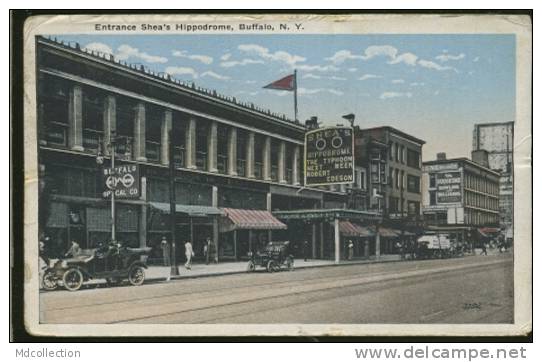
(329, 156)
(123, 181)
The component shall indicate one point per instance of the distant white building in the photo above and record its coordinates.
(498, 140)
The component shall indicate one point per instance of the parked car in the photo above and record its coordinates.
(273, 257)
(112, 262)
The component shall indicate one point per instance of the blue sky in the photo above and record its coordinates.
(435, 87)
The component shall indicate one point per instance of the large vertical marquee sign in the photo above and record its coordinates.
(123, 180)
(329, 156)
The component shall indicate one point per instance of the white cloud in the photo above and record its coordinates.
(243, 62)
(214, 75)
(407, 58)
(279, 56)
(310, 91)
(315, 76)
(397, 81)
(369, 76)
(225, 56)
(126, 51)
(181, 71)
(205, 59)
(352, 70)
(388, 95)
(250, 81)
(318, 68)
(437, 92)
(432, 65)
(379, 50)
(342, 55)
(476, 59)
(417, 84)
(447, 57)
(246, 92)
(99, 47)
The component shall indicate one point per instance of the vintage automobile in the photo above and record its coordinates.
(273, 257)
(112, 262)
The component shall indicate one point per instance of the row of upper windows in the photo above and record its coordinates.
(398, 181)
(54, 99)
(404, 155)
(480, 218)
(481, 201)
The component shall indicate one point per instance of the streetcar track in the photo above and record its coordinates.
(391, 284)
(274, 283)
(320, 290)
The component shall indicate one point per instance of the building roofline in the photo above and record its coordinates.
(395, 130)
(174, 83)
(489, 124)
(460, 159)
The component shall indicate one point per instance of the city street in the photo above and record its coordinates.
(475, 289)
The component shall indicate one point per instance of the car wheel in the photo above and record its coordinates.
(136, 275)
(251, 266)
(72, 279)
(271, 267)
(49, 280)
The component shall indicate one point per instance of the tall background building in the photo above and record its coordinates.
(498, 140)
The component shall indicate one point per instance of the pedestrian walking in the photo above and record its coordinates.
(484, 249)
(306, 250)
(350, 249)
(207, 250)
(189, 253)
(165, 250)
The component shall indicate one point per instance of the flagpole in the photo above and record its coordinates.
(295, 94)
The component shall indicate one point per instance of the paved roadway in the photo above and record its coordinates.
(467, 290)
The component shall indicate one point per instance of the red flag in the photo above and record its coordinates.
(287, 83)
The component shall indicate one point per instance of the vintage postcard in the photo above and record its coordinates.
(260, 175)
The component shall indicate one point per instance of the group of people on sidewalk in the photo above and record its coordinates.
(188, 252)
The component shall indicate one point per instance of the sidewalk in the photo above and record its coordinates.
(201, 270)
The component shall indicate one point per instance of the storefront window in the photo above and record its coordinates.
(241, 199)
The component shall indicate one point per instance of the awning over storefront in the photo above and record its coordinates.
(406, 233)
(482, 233)
(350, 229)
(488, 230)
(191, 210)
(239, 219)
(386, 232)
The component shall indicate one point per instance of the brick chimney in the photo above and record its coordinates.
(441, 156)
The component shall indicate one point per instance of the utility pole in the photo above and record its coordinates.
(402, 215)
(113, 174)
(172, 211)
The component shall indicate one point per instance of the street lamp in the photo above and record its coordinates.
(111, 185)
(350, 117)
